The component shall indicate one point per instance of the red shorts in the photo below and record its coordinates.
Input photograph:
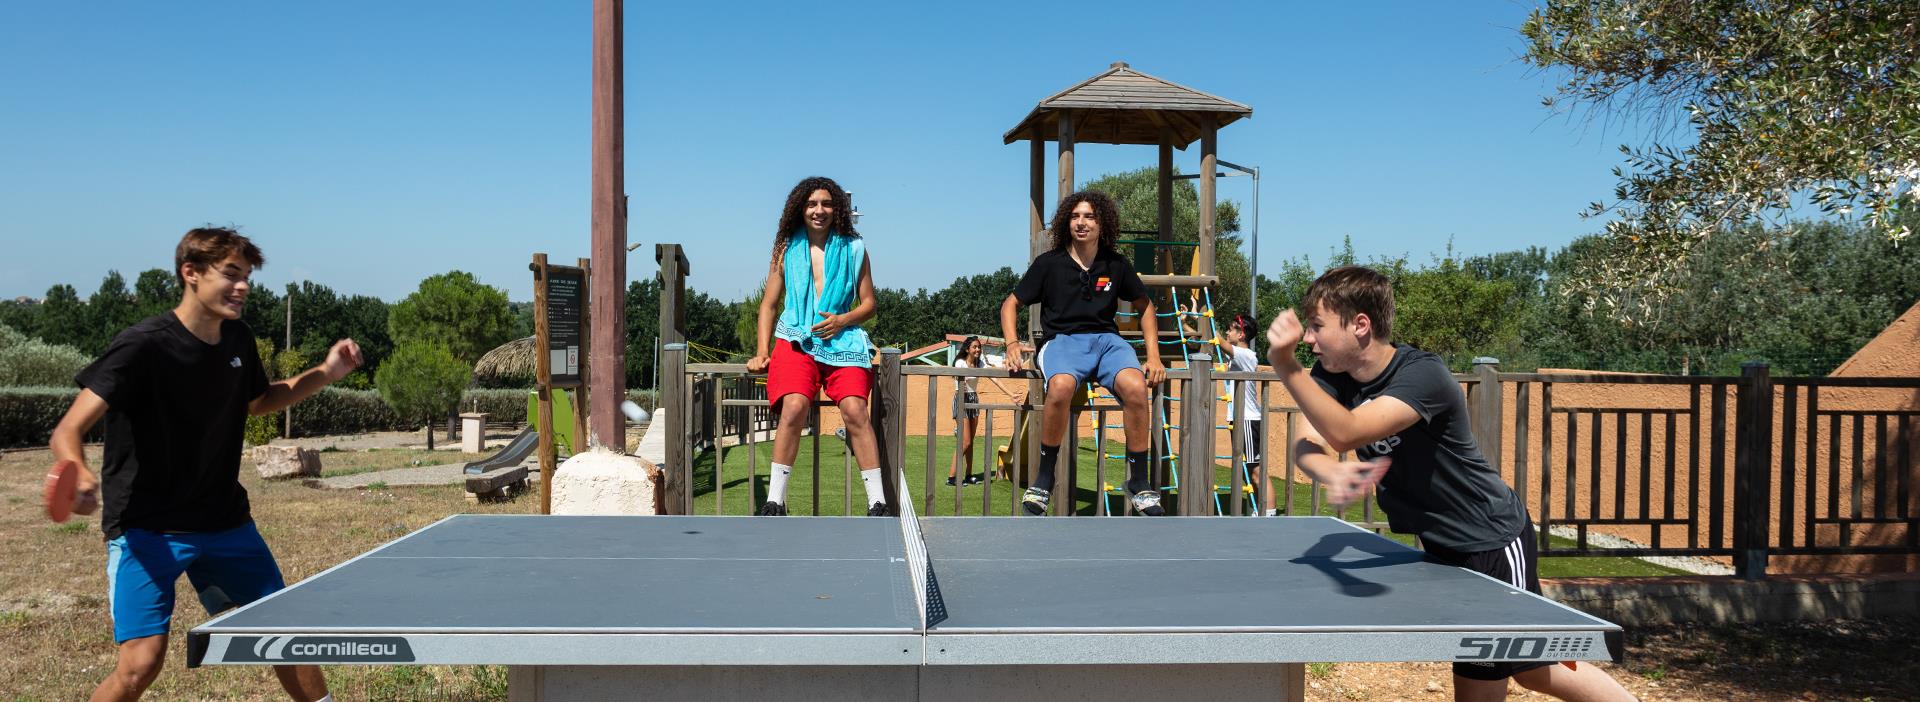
(792, 371)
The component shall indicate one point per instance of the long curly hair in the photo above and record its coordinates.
(795, 211)
(1104, 212)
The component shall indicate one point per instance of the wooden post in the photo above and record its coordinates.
(673, 292)
(607, 348)
(888, 416)
(1209, 163)
(581, 396)
(1066, 155)
(1036, 194)
(1165, 210)
(673, 398)
(1196, 434)
(543, 392)
(1488, 403)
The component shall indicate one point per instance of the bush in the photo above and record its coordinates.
(30, 362)
(29, 414)
(336, 410)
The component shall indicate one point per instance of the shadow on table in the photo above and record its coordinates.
(1384, 553)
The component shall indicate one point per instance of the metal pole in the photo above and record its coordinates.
(1253, 262)
(287, 415)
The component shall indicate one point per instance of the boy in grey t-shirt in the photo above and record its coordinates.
(1395, 404)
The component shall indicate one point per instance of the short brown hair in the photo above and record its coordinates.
(205, 246)
(1350, 291)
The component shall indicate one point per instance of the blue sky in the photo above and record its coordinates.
(367, 145)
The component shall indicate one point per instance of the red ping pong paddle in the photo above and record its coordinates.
(62, 480)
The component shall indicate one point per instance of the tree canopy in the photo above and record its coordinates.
(455, 310)
(1785, 105)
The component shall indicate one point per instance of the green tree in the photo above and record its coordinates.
(63, 317)
(155, 291)
(454, 310)
(1137, 195)
(1784, 104)
(422, 381)
(710, 322)
(111, 309)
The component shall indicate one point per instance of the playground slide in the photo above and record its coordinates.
(513, 454)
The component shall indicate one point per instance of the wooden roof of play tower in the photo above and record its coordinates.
(1125, 106)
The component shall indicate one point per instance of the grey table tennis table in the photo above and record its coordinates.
(820, 608)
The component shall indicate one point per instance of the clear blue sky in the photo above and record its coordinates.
(366, 145)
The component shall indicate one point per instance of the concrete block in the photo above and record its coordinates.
(601, 482)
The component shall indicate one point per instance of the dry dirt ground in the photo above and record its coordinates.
(56, 640)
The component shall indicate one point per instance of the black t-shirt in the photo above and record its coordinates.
(176, 417)
(1440, 486)
(1079, 301)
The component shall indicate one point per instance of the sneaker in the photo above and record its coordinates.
(1035, 501)
(1147, 502)
(772, 509)
(879, 509)
(974, 480)
(949, 481)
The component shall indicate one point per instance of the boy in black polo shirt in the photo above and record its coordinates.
(1393, 402)
(1079, 285)
(175, 391)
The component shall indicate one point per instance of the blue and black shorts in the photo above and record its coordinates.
(227, 568)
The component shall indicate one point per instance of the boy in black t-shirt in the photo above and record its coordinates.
(1079, 285)
(175, 391)
(1394, 403)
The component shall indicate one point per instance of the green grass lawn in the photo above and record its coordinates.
(1000, 498)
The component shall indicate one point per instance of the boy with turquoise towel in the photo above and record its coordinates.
(819, 290)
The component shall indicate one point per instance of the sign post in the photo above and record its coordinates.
(559, 333)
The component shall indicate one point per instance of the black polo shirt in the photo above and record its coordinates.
(1075, 300)
(176, 419)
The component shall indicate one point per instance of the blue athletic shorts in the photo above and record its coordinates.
(1100, 356)
(227, 568)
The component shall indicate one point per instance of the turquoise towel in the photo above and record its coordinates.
(843, 255)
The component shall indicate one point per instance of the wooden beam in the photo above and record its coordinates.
(1036, 195)
(1209, 162)
(1066, 155)
(607, 350)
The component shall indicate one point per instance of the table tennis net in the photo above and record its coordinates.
(926, 587)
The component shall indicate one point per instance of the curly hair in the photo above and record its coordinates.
(1104, 212)
(796, 209)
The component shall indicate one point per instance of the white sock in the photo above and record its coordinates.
(328, 698)
(870, 477)
(777, 487)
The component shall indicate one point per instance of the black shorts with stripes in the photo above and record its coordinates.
(1517, 565)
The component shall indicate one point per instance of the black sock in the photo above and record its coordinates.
(1043, 476)
(1137, 467)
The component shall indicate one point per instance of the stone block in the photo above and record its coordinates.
(286, 462)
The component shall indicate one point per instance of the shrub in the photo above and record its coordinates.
(27, 362)
(29, 414)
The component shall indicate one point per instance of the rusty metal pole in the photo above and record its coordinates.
(607, 352)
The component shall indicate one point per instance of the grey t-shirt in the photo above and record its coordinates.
(1440, 486)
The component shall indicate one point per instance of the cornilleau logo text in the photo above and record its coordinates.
(319, 649)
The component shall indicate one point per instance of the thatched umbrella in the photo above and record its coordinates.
(510, 365)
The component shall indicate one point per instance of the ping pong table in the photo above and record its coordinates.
(820, 608)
